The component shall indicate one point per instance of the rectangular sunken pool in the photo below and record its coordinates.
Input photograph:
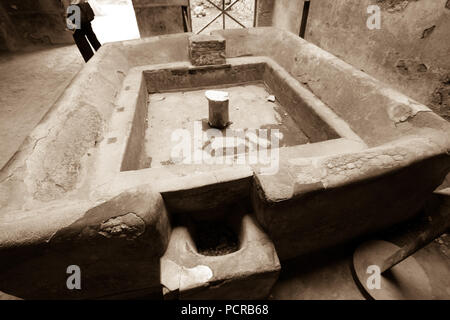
(249, 109)
(160, 103)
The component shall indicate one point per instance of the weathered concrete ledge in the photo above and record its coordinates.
(314, 203)
(117, 245)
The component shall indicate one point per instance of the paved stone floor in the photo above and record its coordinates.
(328, 276)
(30, 83)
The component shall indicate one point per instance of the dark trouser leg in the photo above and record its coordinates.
(184, 13)
(92, 37)
(83, 45)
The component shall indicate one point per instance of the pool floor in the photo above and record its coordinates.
(249, 109)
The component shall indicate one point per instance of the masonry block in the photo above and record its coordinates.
(207, 50)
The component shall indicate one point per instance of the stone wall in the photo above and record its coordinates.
(32, 22)
(410, 52)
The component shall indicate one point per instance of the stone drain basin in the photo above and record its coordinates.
(98, 183)
(217, 265)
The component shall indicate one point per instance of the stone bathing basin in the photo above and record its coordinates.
(96, 184)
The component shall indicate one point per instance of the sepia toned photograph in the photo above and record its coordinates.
(221, 158)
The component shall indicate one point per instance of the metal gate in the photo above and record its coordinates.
(223, 12)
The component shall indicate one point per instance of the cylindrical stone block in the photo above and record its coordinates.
(218, 109)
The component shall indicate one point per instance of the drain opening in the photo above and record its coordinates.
(216, 231)
(215, 238)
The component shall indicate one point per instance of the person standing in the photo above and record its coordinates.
(83, 34)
